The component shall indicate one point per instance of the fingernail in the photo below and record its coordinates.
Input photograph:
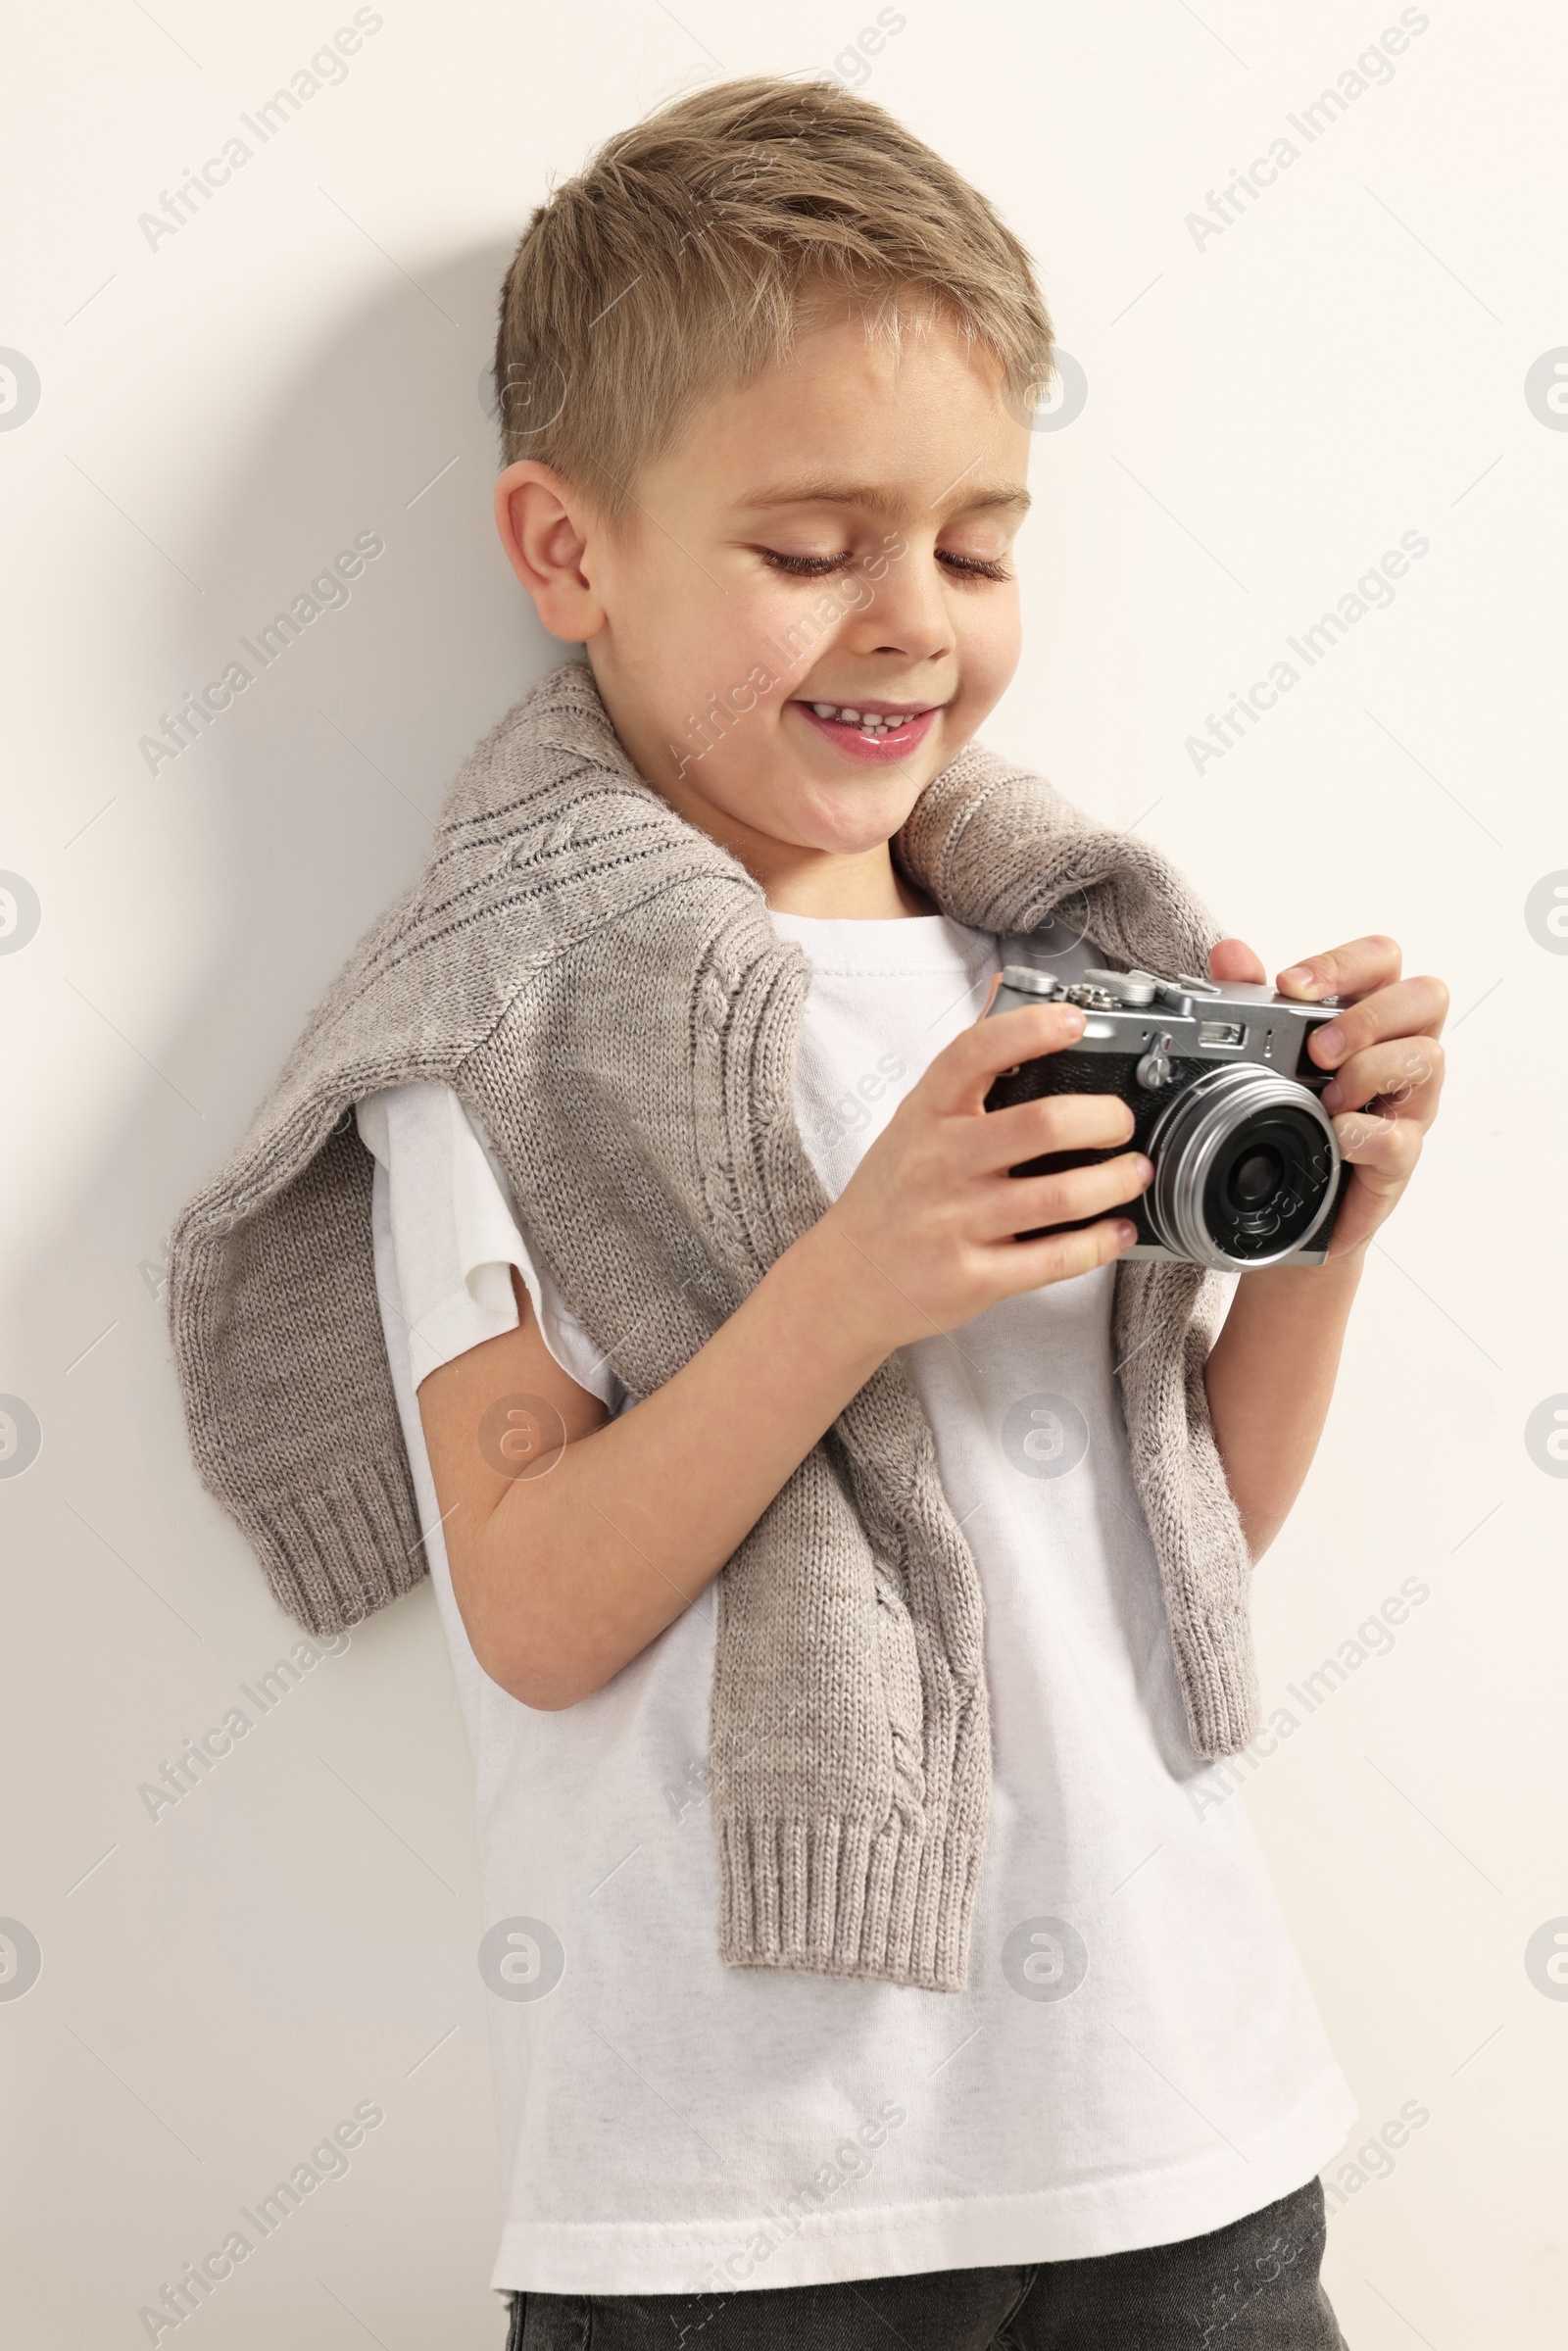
(1126, 1232)
(1332, 1096)
(1330, 1044)
(1142, 1168)
(1301, 975)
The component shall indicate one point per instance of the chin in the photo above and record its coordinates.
(863, 822)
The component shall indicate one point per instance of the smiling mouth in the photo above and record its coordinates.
(873, 733)
(870, 717)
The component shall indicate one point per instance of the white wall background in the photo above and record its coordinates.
(1267, 412)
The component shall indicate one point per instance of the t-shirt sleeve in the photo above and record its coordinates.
(456, 1236)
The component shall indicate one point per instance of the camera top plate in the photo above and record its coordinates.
(1207, 1020)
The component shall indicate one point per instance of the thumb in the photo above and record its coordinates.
(1234, 959)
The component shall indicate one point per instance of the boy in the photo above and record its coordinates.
(761, 1471)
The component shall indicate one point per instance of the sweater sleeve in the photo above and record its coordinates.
(456, 1236)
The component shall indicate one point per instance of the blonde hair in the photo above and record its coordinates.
(694, 246)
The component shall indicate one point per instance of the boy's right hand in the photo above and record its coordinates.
(928, 1221)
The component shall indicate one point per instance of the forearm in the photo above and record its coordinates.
(579, 1569)
(1270, 1376)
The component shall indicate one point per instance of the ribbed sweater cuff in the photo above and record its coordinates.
(1218, 1676)
(839, 1898)
(332, 1557)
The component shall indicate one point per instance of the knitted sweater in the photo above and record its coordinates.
(601, 983)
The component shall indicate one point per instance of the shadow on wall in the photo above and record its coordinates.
(357, 578)
(356, 601)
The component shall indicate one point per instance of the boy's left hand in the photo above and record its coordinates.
(1387, 1061)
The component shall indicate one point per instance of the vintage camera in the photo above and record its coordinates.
(1247, 1170)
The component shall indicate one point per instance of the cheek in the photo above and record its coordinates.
(721, 667)
(764, 626)
(989, 636)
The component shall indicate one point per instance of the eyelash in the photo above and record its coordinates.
(819, 567)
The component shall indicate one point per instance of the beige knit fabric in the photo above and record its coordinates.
(601, 983)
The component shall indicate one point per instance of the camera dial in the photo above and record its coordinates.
(1154, 1069)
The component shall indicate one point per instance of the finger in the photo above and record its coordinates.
(960, 1076)
(1022, 1204)
(1053, 1122)
(1234, 959)
(1062, 1256)
(1402, 1073)
(1382, 1151)
(1349, 970)
(990, 996)
(1408, 1009)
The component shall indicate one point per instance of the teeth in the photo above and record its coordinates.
(871, 722)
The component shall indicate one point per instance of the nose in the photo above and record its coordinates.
(908, 616)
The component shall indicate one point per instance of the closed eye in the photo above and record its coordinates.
(805, 566)
(822, 567)
(979, 567)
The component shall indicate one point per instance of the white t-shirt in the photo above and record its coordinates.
(1138, 2057)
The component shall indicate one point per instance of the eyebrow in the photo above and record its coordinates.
(863, 494)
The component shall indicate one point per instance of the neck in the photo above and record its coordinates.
(866, 887)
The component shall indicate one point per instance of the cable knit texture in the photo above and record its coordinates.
(602, 985)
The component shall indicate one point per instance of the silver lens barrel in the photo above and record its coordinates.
(1188, 1140)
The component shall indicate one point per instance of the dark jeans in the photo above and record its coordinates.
(1252, 2286)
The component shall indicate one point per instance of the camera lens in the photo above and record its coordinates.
(1255, 1179)
(1246, 1165)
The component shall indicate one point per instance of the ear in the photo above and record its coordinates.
(544, 526)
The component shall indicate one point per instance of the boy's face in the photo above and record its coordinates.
(834, 536)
